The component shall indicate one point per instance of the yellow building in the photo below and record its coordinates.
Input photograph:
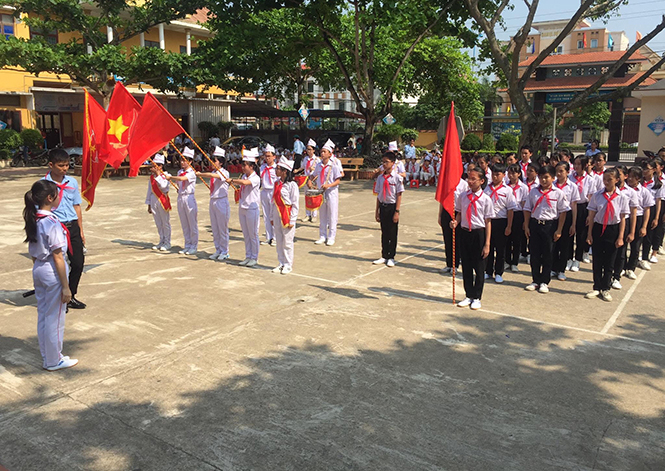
(54, 104)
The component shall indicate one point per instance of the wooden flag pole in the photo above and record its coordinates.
(161, 172)
(212, 163)
(454, 261)
(188, 164)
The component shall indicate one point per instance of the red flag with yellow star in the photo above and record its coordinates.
(120, 118)
(92, 166)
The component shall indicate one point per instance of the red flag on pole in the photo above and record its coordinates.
(93, 132)
(154, 128)
(121, 116)
(451, 166)
(584, 40)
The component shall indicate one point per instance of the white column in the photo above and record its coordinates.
(89, 49)
(109, 34)
(142, 39)
(162, 43)
(188, 42)
(190, 124)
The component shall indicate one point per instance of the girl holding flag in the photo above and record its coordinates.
(187, 208)
(220, 210)
(249, 202)
(389, 186)
(159, 204)
(284, 215)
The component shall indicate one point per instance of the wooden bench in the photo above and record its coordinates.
(123, 171)
(351, 166)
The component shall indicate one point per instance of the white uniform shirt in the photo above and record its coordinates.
(546, 205)
(599, 203)
(50, 236)
(413, 168)
(503, 200)
(523, 167)
(249, 194)
(484, 209)
(388, 194)
(658, 194)
(586, 186)
(633, 198)
(327, 173)
(570, 190)
(268, 176)
(298, 147)
(338, 163)
(219, 188)
(520, 192)
(531, 185)
(645, 199)
(309, 164)
(162, 183)
(187, 186)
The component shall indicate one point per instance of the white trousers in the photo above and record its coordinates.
(328, 213)
(249, 222)
(425, 176)
(220, 213)
(163, 222)
(410, 176)
(187, 210)
(284, 239)
(50, 311)
(266, 207)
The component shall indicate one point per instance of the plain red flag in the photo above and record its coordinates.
(92, 166)
(154, 128)
(120, 118)
(451, 166)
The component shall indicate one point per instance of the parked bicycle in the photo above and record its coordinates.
(25, 158)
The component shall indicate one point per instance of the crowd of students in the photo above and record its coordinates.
(554, 214)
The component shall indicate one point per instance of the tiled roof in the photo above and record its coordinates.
(581, 83)
(201, 16)
(583, 58)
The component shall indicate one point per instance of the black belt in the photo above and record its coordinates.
(71, 223)
(386, 204)
(544, 222)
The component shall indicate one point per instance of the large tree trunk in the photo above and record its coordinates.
(532, 133)
(370, 124)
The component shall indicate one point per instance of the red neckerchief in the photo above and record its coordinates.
(212, 185)
(495, 192)
(386, 186)
(322, 177)
(598, 173)
(183, 184)
(580, 183)
(546, 196)
(560, 186)
(515, 188)
(64, 228)
(267, 169)
(646, 184)
(471, 209)
(609, 210)
(529, 185)
(524, 166)
(61, 186)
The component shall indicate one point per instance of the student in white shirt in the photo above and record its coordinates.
(631, 224)
(268, 178)
(586, 186)
(563, 246)
(328, 176)
(187, 208)
(248, 210)
(159, 204)
(389, 187)
(646, 205)
(220, 209)
(308, 165)
(284, 215)
(516, 242)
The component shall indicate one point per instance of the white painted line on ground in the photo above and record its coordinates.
(623, 303)
(374, 210)
(330, 282)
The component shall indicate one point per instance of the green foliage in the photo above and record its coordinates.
(508, 141)
(10, 141)
(208, 129)
(471, 142)
(389, 132)
(488, 142)
(595, 116)
(409, 134)
(32, 138)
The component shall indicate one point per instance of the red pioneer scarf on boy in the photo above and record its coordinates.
(163, 198)
(284, 209)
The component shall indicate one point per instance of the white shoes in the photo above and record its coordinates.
(486, 276)
(214, 256)
(592, 294)
(190, 252)
(498, 279)
(66, 362)
(616, 284)
(156, 247)
(446, 270)
(244, 262)
(270, 242)
(630, 274)
(182, 252)
(465, 302)
(252, 263)
(661, 250)
(379, 261)
(606, 296)
(644, 265)
(585, 258)
(223, 256)
(390, 263)
(531, 287)
(330, 242)
(575, 266)
(165, 248)
(569, 265)
(543, 288)
(561, 276)
(475, 304)
(653, 259)
(278, 269)
(286, 270)
(321, 241)
(514, 269)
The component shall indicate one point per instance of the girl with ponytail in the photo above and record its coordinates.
(48, 241)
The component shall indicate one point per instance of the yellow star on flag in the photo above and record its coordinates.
(116, 128)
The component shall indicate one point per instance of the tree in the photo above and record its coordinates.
(88, 57)
(505, 58)
(594, 115)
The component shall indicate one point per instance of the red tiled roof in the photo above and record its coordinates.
(581, 83)
(201, 16)
(584, 58)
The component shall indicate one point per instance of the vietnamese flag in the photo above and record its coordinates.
(451, 166)
(120, 118)
(93, 133)
(154, 129)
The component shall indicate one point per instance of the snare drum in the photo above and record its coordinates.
(313, 198)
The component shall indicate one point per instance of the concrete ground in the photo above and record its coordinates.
(186, 363)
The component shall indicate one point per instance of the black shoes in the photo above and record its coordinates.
(75, 304)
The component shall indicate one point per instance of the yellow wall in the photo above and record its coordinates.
(652, 107)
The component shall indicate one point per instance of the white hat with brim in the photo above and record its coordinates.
(187, 152)
(219, 152)
(158, 159)
(250, 155)
(392, 146)
(312, 143)
(428, 158)
(329, 145)
(269, 148)
(286, 164)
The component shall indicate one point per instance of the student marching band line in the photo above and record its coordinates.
(544, 213)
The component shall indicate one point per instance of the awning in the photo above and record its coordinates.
(258, 109)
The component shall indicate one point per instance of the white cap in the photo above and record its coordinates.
(158, 159)
(219, 152)
(428, 157)
(269, 148)
(329, 145)
(286, 163)
(250, 155)
(392, 146)
(187, 152)
(312, 143)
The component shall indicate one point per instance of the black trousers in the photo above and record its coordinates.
(76, 258)
(388, 230)
(580, 232)
(515, 240)
(448, 239)
(541, 246)
(297, 160)
(604, 255)
(659, 231)
(473, 264)
(647, 243)
(494, 264)
(620, 259)
(635, 246)
(563, 246)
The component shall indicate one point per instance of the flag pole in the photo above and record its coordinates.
(454, 261)
(188, 164)
(161, 172)
(212, 163)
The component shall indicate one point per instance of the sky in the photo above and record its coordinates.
(638, 15)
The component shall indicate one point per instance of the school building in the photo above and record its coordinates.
(54, 104)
